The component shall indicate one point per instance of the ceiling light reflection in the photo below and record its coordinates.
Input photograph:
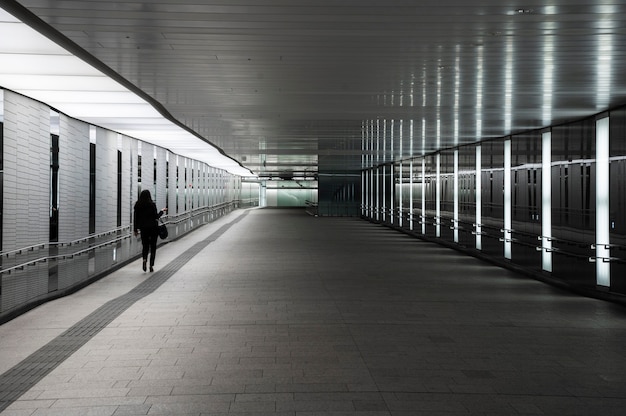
(548, 79)
(479, 92)
(604, 73)
(35, 66)
(508, 87)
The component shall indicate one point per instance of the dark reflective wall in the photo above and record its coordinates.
(430, 191)
(446, 178)
(526, 199)
(467, 196)
(572, 237)
(492, 190)
(573, 202)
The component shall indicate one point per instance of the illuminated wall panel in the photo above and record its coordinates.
(603, 252)
(546, 201)
(507, 199)
(438, 196)
(478, 181)
(456, 196)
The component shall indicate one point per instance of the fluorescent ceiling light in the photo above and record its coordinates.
(39, 68)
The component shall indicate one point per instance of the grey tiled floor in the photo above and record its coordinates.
(286, 314)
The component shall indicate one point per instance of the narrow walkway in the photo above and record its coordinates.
(273, 312)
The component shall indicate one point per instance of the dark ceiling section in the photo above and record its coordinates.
(287, 86)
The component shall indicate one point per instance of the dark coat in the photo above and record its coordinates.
(145, 216)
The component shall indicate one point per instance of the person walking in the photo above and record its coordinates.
(145, 220)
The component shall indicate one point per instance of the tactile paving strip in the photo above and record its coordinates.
(23, 376)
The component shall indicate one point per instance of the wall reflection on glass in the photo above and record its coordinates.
(526, 199)
(492, 196)
(573, 202)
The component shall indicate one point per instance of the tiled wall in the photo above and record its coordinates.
(26, 167)
(73, 179)
(26, 200)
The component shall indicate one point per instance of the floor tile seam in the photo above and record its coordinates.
(490, 394)
(94, 323)
(345, 323)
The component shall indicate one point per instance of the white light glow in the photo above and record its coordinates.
(400, 196)
(478, 191)
(438, 196)
(38, 68)
(423, 135)
(457, 93)
(603, 251)
(546, 201)
(423, 216)
(411, 195)
(507, 199)
(456, 196)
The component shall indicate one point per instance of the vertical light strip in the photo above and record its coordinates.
(603, 251)
(373, 193)
(392, 172)
(384, 181)
(546, 201)
(438, 196)
(411, 136)
(363, 171)
(400, 195)
(423, 216)
(456, 196)
(457, 93)
(423, 136)
(411, 195)
(479, 215)
(373, 189)
(400, 184)
(384, 195)
(507, 199)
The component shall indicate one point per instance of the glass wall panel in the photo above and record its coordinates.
(446, 186)
(417, 194)
(467, 195)
(403, 193)
(492, 196)
(339, 195)
(430, 192)
(617, 198)
(526, 199)
(388, 190)
(573, 202)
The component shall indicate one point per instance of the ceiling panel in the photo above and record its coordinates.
(288, 86)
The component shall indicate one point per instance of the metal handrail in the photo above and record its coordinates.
(62, 256)
(84, 239)
(66, 243)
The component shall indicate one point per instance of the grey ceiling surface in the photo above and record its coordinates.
(288, 85)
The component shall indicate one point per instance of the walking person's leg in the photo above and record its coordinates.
(145, 247)
(153, 247)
